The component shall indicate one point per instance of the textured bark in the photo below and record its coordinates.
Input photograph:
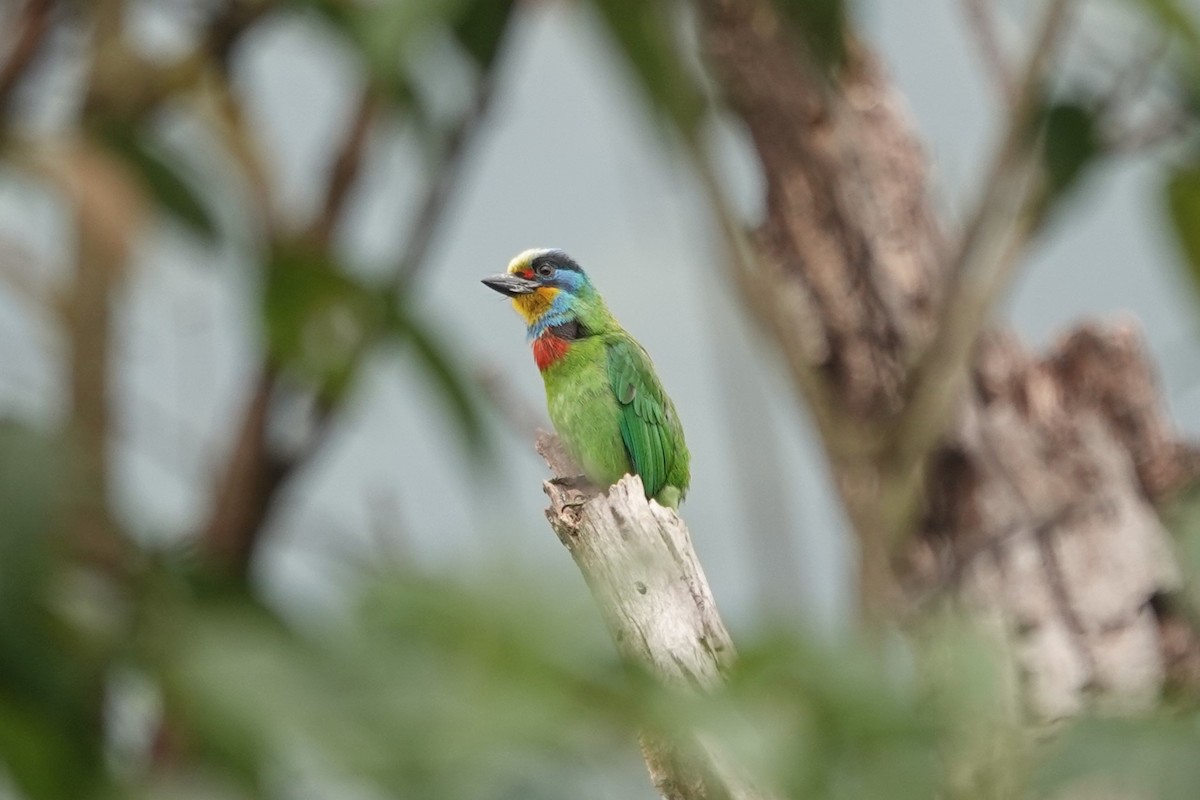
(1039, 513)
(1031, 498)
(638, 561)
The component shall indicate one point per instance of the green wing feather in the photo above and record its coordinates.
(645, 419)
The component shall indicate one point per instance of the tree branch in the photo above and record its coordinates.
(345, 168)
(638, 561)
(982, 262)
(254, 475)
(32, 26)
(981, 21)
(445, 172)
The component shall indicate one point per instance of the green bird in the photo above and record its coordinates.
(601, 391)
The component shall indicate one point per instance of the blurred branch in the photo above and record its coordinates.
(982, 261)
(221, 109)
(1168, 125)
(17, 268)
(246, 489)
(228, 26)
(445, 171)
(638, 561)
(253, 476)
(1132, 82)
(109, 209)
(32, 25)
(523, 418)
(345, 168)
(836, 270)
(1130, 87)
(981, 21)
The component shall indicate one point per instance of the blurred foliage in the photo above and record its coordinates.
(1179, 26)
(1183, 204)
(481, 686)
(1072, 144)
(159, 677)
(823, 26)
(159, 173)
(648, 36)
(317, 317)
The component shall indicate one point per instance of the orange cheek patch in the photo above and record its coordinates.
(532, 306)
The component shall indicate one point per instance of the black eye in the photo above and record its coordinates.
(545, 270)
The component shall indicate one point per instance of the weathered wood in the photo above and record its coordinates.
(1038, 514)
(638, 560)
(1028, 489)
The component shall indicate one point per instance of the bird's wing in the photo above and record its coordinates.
(644, 416)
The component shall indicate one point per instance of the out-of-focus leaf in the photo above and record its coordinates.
(1183, 204)
(32, 475)
(393, 38)
(1173, 17)
(160, 177)
(48, 756)
(446, 375)
(318, 319)
(838, 725)
(437, 689)
(1144, 758)
(49, 739)
(480, 28)
(321, 323)
(645, 33)
(30, 479)
(822, 23)
(1071, 145)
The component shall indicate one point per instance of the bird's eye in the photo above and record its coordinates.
(545, 270)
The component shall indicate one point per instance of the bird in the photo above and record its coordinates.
(603, 396)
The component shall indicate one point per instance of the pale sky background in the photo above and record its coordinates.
(569, 159)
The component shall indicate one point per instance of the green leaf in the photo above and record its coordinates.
(319, 321)
(1072, 144)
(47, 756)
(480, 28)
(646, 35)
(49, 740)
(822, 23)
(1172, 16)
(159, 175)
(446, 376)
(1139, 757)
(1183, 205)
(432, 689)
(385, 32)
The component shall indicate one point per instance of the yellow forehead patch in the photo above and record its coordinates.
(523, 260)
(532, 306)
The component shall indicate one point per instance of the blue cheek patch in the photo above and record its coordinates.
(570, 279)
(559, 313)
(568, 282)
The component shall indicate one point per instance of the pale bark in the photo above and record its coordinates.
(638, 560)
(1023, 487)
(1040, 515)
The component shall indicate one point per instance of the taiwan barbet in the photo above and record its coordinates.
(601, 391)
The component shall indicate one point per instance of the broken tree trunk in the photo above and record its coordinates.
(639, 563)
(1023, 487)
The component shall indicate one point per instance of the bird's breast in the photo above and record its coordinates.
(548, 349)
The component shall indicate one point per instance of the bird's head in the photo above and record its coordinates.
(547, 288)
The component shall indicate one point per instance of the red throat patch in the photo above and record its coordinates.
(547, 349)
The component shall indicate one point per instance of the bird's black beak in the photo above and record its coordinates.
(510, 285)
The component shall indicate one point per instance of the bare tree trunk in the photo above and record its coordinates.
(638, 561)
(1022, 486)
